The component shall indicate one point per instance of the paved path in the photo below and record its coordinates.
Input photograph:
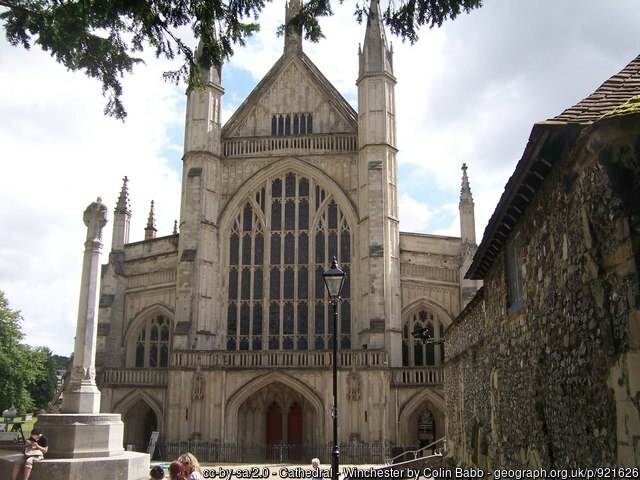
(264, 471)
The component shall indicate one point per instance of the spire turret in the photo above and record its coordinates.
(175, 227)
(123, 200)
(150, 230)
(210, 76)
(375, 55)
(466, 207)
(378, 194)
(468, 247)
(292, 40)
(121, 219)
(202, 126)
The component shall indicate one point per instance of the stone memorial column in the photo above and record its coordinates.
(82, 394)
(84, 443)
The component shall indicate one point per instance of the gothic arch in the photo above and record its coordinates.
(126, 403)
(246, 391)
(414, 404)
(279, 232)
(279, 168)
(141, 316)
(422, 314)
(424, 302)
(130, 334)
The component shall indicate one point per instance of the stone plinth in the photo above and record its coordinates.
(127, 466)
(77, 435)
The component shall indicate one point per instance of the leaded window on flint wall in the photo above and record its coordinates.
(281, 241)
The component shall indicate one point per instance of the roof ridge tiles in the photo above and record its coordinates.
(614, 92)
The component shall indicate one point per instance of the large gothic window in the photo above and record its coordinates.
(281, 241)
(416, 352)
(152, 344)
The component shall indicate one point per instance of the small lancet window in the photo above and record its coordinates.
(291, 124)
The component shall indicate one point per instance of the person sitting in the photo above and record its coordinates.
(34, 449)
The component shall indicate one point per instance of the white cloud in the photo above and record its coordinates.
(58, 154)
(414, 215)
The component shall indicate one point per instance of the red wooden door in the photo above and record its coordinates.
(274, 430)
(294, 430)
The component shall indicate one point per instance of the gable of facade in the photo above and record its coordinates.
(293, 98)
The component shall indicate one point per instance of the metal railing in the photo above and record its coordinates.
(427, 450)
(219, 452)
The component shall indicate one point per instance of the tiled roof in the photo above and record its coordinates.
(542, 151)
(615, 91)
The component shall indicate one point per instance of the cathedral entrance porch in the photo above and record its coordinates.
(279, 418)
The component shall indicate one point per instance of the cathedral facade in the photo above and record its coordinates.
(222, 333)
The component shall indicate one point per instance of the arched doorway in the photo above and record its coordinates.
(426, 428)
(422, 419)
(282, 418)
(139, 421)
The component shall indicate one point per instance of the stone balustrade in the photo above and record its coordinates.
(299, 144)
(417, 376)
(408, 376)
(135, 376)
(279, 358)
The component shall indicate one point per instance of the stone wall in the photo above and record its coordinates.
(552, 385)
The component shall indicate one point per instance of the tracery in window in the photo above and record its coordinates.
(276, 295)
(152, 344)
(416, 352)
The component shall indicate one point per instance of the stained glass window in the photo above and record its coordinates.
(152, 344)
(303, 229)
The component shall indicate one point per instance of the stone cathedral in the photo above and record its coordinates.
(221, 334)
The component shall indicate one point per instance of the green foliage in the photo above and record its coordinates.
(61, 362)
(102, 37)
(23, 370)
(44, 386)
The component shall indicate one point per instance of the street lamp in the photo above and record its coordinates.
(425, 335)
(334, 280)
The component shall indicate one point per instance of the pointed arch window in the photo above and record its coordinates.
(415, 352)
(152, 344)
(280, 248)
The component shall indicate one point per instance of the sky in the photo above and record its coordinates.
(468, 92)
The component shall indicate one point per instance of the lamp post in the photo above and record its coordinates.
(425, 335)
(334, 280)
